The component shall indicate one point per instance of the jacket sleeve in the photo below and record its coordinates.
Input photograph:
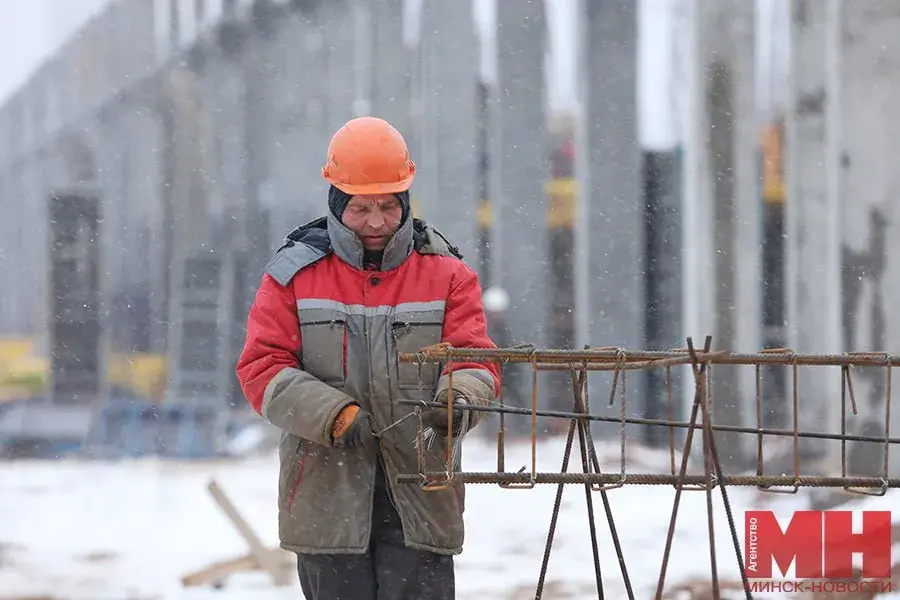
(465, 326)
(270, 374)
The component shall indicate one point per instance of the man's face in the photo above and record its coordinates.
(374, 218)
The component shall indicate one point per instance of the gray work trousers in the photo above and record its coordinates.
(389, 571)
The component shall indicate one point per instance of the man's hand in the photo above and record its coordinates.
(436, 418)
(351, 428)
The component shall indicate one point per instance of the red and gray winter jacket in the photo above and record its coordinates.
(324, 332)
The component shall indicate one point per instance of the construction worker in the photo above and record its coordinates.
(337, 302)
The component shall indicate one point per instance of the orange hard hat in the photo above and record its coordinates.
(368, 156)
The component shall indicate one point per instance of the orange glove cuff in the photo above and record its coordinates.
(344, 420)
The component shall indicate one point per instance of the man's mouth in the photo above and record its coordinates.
(373, 240)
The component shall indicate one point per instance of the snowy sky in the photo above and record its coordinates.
(31, 30)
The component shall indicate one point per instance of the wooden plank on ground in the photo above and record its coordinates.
(219, 571)
(267, 558)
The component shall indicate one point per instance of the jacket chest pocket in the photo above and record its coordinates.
(412, 332)
(323, 343)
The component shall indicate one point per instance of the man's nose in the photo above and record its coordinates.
(376, 219)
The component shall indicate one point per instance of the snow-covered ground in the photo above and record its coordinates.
(72, 530)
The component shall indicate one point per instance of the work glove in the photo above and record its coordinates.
(436, 417)
(351, 428)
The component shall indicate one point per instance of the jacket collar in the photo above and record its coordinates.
(349, 247)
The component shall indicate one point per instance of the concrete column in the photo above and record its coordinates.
(200, 215)
(813, 220)
(664, 312)
(12, 252)
(660, 32)
(612, 231)
(394, 76)
(302, 127)
(257, 110)
(9, 252)
(145, 174)
(729, 60)
(519, 155)
(166, 234)
(339, 46)
(748, 212)
(870, 275)
(448, 159)
(390, 82)
(697, 205)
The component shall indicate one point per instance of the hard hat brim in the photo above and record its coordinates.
(375, 188)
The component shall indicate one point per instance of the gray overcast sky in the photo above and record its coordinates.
(23, 37)
(30, 30)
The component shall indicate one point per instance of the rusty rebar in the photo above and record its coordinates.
(716, 463)
(620, 361)
(682, 474)
(554, 515)
(550, 356)
(561, 414)
(493, 477)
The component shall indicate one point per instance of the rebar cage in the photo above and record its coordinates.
(619, 361)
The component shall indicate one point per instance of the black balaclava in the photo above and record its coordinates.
(337, 202)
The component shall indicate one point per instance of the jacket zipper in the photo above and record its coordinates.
(298, 479)
(387, 480)
(459, 501)
(344, 354)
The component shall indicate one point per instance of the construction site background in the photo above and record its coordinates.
(627, 172)
(701, 193)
